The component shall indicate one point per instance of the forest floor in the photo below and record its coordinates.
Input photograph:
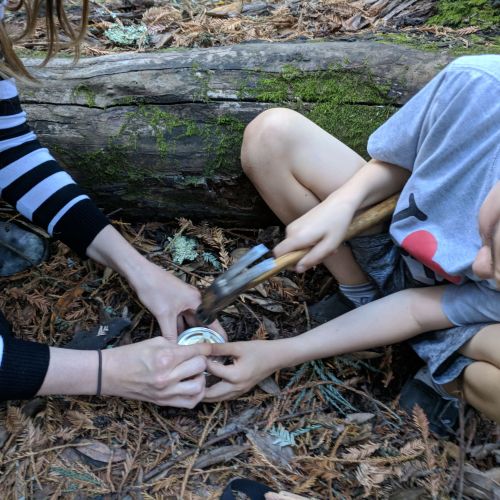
(327, 429)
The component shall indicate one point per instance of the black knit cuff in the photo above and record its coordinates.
(23, 369)
(80, 225)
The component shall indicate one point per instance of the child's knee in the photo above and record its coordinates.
(480, 386)
(485, 345)
(268, 133)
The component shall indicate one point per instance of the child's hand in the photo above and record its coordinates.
(487, 262)
(322, 228)
(252, 362)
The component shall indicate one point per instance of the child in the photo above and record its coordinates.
(157, 369)
(437, 271)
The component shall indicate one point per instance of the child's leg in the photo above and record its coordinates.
(481, 380)
(294, 164)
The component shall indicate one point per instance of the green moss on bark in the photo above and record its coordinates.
(465, 13)
(86, 92)
(336, 85)
(464, 45)
(167, 128)
(348, 103)
(222, 141)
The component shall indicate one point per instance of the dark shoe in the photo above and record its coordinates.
(19, 249)
(332, 306)
(442, 413)
(251, 489)
(98, 337)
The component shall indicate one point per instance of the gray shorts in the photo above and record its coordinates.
(382, 261)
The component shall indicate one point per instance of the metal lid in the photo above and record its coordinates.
(199, 335)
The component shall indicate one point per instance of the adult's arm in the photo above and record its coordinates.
(32, 181)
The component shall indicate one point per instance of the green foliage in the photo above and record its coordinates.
(283, 437)
(182, 249)
(464, 13)
(329, 392)
(210, 258)
(287, 438)
(80, 476)
(127, 35)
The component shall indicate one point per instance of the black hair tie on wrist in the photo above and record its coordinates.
(99, 373)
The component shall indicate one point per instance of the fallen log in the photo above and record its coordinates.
(157, 135)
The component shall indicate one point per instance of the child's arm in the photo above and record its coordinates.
(391, 319)
(323, 228)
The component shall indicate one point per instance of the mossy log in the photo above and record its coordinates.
(157, 136)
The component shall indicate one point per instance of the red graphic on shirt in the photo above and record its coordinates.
(422, 245)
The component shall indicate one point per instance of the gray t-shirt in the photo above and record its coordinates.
(448, 136)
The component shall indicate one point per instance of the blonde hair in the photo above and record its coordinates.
(56, 21)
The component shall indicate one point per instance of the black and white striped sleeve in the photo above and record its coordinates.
(33, 182)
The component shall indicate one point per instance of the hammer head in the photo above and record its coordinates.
(226, 287)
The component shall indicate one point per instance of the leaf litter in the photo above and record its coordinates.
(124, 25)
(324, 429)
(326, 426)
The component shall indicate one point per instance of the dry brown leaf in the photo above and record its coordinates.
(231, 10)
(359, 418)
(263, 445)
(269, 386)
(102, 452)
(219, 455)
(267, 304)
(65, 301)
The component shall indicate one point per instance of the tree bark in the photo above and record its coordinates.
(157, 135)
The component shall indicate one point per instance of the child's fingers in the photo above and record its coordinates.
(185, 352)
(317, 255)
(225, 372)
(219, 392)
(292, 243)
(233, 349)
(287, 245)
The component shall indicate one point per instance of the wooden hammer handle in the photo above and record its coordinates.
(360, 223)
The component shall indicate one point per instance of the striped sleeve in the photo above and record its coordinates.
(23, 365)
(32, 181)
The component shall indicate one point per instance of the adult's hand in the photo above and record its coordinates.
(172, 302)
(157, 371)
(153, 370)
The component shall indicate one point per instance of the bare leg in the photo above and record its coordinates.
(294, 164)
(481, 380)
